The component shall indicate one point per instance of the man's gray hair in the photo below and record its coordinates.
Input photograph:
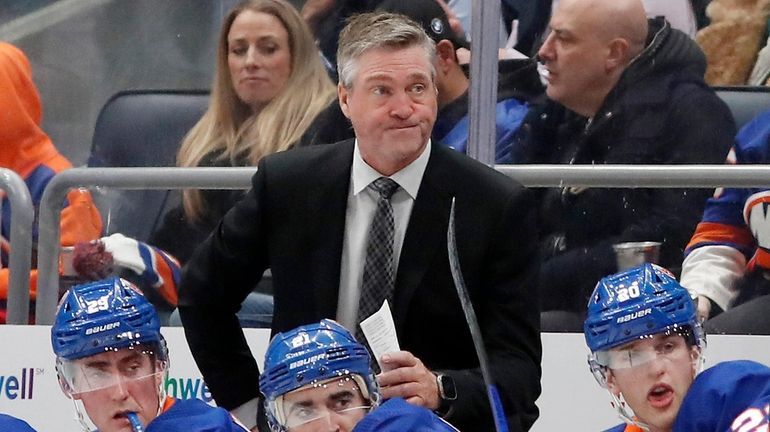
(375, 30)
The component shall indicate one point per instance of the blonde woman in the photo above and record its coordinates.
(268, 95)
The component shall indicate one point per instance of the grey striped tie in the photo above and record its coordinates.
(379, 278)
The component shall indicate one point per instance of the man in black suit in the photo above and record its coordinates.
(307, 218)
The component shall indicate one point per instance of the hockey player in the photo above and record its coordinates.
(317, 378)
(111, 360)
(646, 345)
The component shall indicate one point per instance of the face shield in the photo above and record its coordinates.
(137, 370)
(675, 344)
(311, 407)
(112, 367)
(689, 343)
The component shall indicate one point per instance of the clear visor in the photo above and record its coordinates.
(320, 420)
(311, 408)
(670, 345)
(123, 366)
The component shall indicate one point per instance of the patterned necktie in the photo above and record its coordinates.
(379, 278)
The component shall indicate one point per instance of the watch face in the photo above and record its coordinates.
(447, 387)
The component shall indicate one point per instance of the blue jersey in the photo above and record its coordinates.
(12, 424)
(723, 221)
(731, 396)
(194, 415)
(397, 415)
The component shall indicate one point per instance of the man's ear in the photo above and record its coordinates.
(445, 54)
(617, 56)
(612, 384)
(695, 354)
(342, 95)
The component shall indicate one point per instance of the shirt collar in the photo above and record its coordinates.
(409, 177)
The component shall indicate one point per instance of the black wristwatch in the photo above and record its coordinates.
(447, 392)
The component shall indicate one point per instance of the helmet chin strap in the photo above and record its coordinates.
(620, 406)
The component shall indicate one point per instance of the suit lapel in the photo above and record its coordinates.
(426, 230)
(328, 202)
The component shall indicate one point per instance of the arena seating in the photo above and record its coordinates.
(745, 102)
(142, 128)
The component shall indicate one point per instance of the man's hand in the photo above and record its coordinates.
(704, 308)
(403, 375)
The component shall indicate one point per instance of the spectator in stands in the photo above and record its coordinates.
(727, 263)
(330, 385)
(112, 361)
(270, 93)
(646, 345)
(326, 18)
(733, 40)
(519, 80)
(10, 424)
(28, 151)
(307, 218)
(623, 91)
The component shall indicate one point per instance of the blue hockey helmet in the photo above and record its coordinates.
(309, 355)
(643, 301)
(100, 316)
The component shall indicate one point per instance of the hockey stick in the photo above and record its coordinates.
(473, 324)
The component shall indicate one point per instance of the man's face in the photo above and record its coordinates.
(392, 106)
(575, 55)
(333, 405)
(655, 386)
(123, 381)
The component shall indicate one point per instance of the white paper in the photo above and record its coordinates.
(380, 332)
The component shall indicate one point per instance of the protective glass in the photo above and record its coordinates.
(312, 412)
(123, 366)
(672, 347)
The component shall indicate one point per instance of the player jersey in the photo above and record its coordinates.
(12, 424)
(731, 396)
(193, 415)
(625, 427)
(734, 233)
(398, 415)
(723, 220)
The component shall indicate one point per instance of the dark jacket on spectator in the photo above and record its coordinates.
(660, 112)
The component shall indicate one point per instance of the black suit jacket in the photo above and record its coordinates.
(293, 222)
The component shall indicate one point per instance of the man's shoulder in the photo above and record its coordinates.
(305, 162)
(12, 424)
(193, 415)
(311, 153)
(721, 393)
(454, 167)
(397, 415)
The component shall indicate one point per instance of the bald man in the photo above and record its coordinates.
(622, 90)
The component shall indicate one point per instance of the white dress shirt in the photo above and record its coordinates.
(362, 204)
